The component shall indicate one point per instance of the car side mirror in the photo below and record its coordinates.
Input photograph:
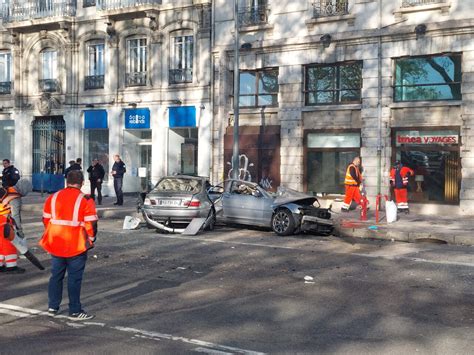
(256, 193)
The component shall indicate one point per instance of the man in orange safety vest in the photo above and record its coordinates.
(352, 183)
(70, 219)
(8, 252)
(399, 175)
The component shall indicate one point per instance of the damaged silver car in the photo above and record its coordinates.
(285, 212)
(176, 200)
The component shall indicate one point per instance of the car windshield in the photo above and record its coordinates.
(178, 185)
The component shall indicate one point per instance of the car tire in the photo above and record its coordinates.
(212, 221)
(283, 222)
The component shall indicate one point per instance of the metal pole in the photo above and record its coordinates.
(235, 148)
(379, 105)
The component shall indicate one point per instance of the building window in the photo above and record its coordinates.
(136, 62)
(327, 157)
(7, 137)
(49, 81)
(96, 146)
(253, 12)
(5, 73)
(428, 78)
(181, 70)
(96, 67)
(183, 151)
(333, 83)
(259, 88)
(325, 8)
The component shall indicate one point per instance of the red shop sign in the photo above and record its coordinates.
(427, 139)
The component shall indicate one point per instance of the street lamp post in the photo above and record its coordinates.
(235, 147)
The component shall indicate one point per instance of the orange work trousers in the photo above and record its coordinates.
(401, 198)
(8, 255)
(352, 193)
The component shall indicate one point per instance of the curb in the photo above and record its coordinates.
(410, 237)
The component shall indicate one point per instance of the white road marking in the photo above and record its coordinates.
(210, 351)
(22, 312)
(366, 255)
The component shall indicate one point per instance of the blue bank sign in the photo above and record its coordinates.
(137, 118)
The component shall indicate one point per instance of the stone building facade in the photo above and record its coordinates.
(92, 79)
(332, 79)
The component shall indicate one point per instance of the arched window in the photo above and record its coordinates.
(182, 55)
(48, 81)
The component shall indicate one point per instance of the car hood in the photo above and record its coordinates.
(286, 195)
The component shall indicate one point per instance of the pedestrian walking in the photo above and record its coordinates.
(353, 184)
(70, 221)
(96, 176)
(118, 170)
(10, 177)
(73, 165)
(399, 175)
(8, 253)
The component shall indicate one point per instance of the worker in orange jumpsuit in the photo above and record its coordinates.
(70, 219)
(399, 175)
(8, 253)
(352, 182)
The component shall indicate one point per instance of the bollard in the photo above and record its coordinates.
(364, 202)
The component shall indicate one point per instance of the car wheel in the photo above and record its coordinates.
(283, 222)
(212, 220)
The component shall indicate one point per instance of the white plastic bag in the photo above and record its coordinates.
(130, 222)
(391, 211)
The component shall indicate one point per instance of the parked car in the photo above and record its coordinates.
(286, 212)
(176, 200)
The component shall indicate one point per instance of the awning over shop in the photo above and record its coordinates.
(182, 116)
(95, 119)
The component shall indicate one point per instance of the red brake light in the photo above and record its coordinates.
(192, 203)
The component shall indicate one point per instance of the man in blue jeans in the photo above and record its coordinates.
(70, 219)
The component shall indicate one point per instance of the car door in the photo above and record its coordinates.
(240, 206)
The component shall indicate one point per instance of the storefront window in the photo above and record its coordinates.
(96, 145)
(428, 78)
(182, 151)
(434, 157)
(7, 137)
(328, 155)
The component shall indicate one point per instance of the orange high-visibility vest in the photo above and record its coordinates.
(349, 180)
(68, 218)
(405, 172)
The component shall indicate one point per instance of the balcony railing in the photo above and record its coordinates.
(410, 3)
(48, 85)
(94, 82)
(254, 15)
(122, 4)
(179, 76)
(88, 3)
(5, 87)
(135, 79)
(325, 8)
(13, 11)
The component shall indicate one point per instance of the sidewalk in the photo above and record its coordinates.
(34, 202)
(408, 228)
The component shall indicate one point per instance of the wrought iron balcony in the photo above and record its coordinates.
(253, 15)
(325, 8)
(410, 3)
(123, 4)
(94, 82)
(14, 11)
(179, 76)
(5, 87)
(135, 79)
(48, 85)
(88, 3)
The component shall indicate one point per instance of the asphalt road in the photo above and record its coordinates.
(244, 291)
